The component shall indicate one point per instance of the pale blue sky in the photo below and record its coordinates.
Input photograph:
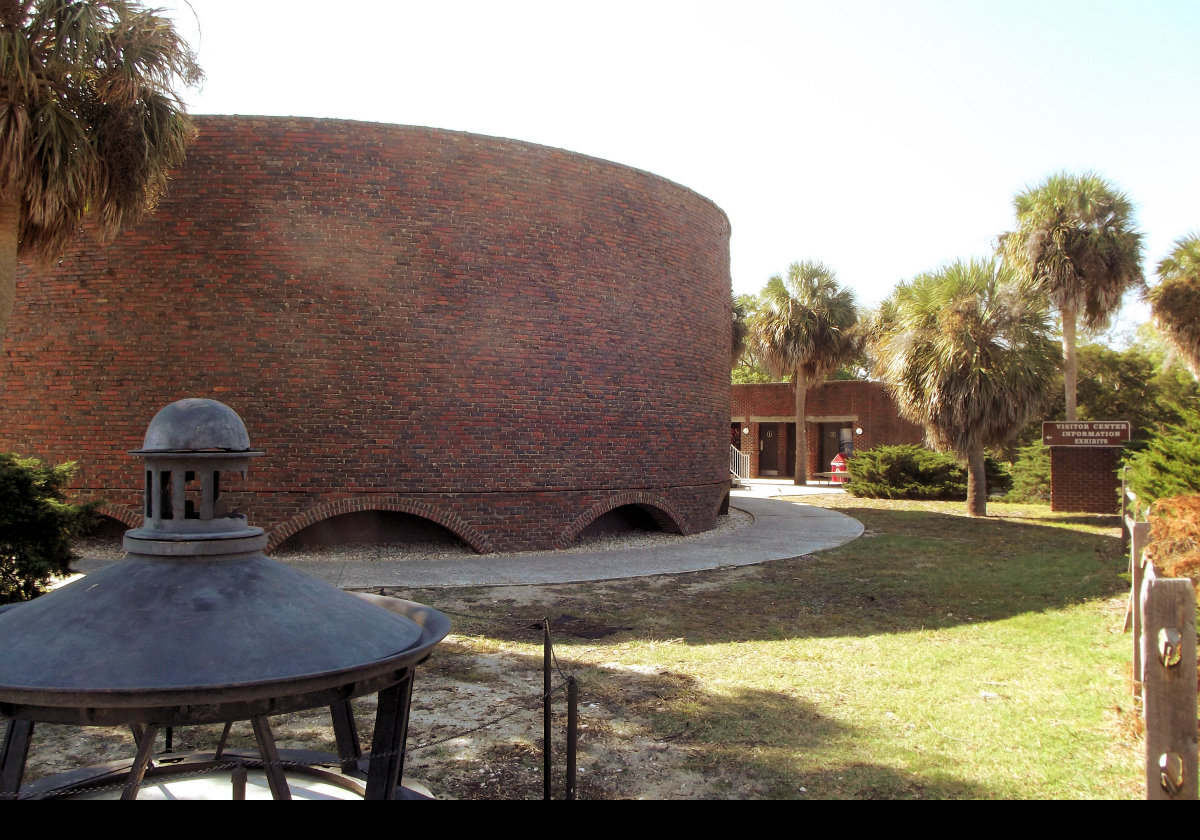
(883, 138)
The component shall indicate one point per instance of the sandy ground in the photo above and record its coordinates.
(468, 683)
(476, 724)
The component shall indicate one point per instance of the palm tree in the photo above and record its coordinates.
(89, 125)
(1175, 302)
(741, 308)
(1075, 242)
(804, 326)
(967, 353)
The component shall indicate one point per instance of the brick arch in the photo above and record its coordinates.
(723, 505)
(664, 514)
(450, 521)
(126, 515)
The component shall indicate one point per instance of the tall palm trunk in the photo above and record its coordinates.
(801, 473)
(976, 482)
(1070, 360)
(10, 227)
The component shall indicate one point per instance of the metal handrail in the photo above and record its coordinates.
(739, 462)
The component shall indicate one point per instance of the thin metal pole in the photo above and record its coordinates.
(239, 782)
(1124, 511)
(269, 754)
(547, 712)
(146, 738)
(572, 733)
(15, 753)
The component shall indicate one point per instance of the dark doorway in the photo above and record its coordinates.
(830, 444)
(789, 466)
(768, 450)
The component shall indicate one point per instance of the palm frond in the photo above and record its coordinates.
(805, 323)
(1075, 240)
(966, 354)
(89, 120)
(1175, 301)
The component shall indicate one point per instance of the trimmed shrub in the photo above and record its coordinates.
(913, 472)
(36, 525)
(1169, 464)
(1031, 474)
(906, 472)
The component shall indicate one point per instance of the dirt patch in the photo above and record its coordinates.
(476, 724)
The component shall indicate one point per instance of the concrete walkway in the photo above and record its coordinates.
(779, 530)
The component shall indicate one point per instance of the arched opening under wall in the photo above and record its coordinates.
(103, 540)
(386, 530)
(629, 520)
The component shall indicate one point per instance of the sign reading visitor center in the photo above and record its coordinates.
(1085, 433)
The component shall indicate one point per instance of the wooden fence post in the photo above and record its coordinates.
(1168, 654)
(1139, 538)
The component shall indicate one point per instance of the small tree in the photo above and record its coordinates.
(1031, 474)
(1075, 243)
(968, 355)
(36, 525)
(1169, 465)
(804, 326)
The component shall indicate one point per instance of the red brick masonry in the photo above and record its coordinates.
(863, 405)
(504, 338)
(1085, 479)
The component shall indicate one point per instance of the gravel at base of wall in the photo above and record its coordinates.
(110, 550)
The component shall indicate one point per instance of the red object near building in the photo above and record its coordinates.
(838, 467)
(839, 414)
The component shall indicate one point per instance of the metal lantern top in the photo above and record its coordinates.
(187, 446)
(195, 624)
(194, 426)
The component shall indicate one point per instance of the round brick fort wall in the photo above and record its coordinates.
(504, 338)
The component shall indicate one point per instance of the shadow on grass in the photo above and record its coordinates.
(911, 570)
(660, 735)
(914, 569)
(1087, 519)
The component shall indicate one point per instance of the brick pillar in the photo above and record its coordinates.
(1085, 479)
(751, 441)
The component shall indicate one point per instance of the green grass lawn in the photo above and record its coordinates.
(935, 657)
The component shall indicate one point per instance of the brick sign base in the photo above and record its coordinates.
(1085, 480)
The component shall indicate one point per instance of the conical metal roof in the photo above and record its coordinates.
(196, 617)
(147, 626)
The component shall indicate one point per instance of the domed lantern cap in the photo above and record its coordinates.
(196, 425)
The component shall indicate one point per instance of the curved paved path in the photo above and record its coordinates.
(779, 530)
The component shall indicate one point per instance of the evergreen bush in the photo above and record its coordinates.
(913, 472)
(1169, 465)
(36, 525)
(999, 476)
(1031, 474)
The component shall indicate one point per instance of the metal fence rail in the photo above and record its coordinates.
(739, 462)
